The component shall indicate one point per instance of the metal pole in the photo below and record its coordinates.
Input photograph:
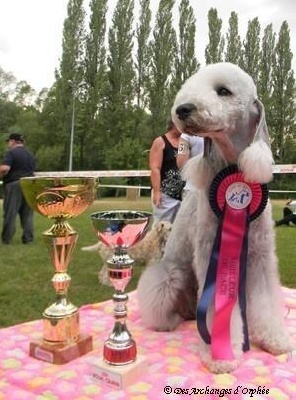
(72, 135)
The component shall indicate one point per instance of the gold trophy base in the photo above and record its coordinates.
(60, 353)
(117, 376)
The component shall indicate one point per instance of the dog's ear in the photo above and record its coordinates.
(261, 132)
(256, 160)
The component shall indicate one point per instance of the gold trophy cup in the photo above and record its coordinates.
(60, 198)
(119, 230)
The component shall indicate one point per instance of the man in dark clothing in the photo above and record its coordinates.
(18, 163)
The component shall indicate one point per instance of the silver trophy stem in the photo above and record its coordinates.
(120, 348)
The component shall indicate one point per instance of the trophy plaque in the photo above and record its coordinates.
(119, 230)
(60, 198)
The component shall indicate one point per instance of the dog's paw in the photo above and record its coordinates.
(277, 347)
(167, 325)
(157, 321)
(220, 366)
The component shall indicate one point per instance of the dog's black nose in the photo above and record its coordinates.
(184, 110)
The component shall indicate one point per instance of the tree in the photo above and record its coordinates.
(71, 67)
(233, 52)
(251, 50)
(70, 74)
(215, 47)
(265, 82)
(7, 84)
(283, 123)
(186, 62)
(8, 114)
(163, 49)
(49, 158)
(143, 54)
(121, 155)
(122, 95)
(142, 59)
(117, 116)
(24, 94)
(120, 61)
(29, 120)
(95, 78)
(39, 101)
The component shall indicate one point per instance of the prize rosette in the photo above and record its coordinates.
(236, 203)
(229, 186)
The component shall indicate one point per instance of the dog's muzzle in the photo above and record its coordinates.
(184, 110)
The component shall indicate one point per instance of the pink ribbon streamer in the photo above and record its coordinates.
(227, 283)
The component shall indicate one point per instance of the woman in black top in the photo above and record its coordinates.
(166, 182)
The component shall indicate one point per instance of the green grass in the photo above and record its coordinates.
(26, 271)
(285, 246)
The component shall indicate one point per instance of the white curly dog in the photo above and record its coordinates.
(219, 103)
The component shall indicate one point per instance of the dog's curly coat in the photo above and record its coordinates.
(150, 248)
(219, 103)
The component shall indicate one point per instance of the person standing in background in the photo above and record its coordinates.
(189, 146)
(289, 214)
(18, 163)
(166, 182)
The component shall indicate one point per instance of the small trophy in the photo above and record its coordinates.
(60, 198)
(120, 230)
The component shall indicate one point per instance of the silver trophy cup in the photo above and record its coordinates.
(119, 230)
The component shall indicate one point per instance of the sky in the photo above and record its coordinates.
(31, 31)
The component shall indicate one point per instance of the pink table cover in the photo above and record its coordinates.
(174, 370)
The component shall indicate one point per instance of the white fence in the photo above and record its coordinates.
(284, 169)
(135, 191)
(98, 174)
(277, 169)
(132, 191)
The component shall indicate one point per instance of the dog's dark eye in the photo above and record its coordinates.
(222, 91)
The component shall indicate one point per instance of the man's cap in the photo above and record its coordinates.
(16, 136)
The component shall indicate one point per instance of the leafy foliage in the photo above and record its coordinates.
(283, 121)
(214, 50)
(114, 87)
(186, 62)
(233, 52)
(161, 69)
(143, 54)
(252, 51)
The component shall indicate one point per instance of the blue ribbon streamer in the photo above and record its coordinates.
(209, 288)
